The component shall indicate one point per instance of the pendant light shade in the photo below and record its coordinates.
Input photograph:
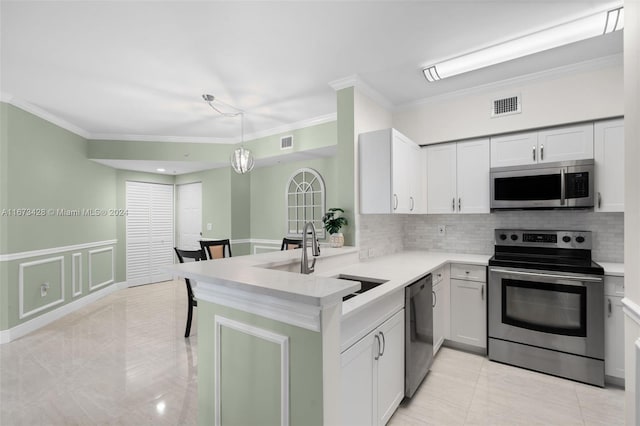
(242, 160)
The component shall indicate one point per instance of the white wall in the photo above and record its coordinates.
(558, 99)
(632, 200)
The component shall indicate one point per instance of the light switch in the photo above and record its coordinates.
(209, 226)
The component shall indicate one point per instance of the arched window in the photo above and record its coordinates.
(305, 201)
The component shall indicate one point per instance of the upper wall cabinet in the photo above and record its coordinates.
(545, 146)
(458, 177)
(390, 174)
(609, 161)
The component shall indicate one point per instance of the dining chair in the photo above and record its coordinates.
(290, 243)
(216, 249)
(196, 255)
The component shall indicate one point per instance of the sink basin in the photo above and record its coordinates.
(365, 282)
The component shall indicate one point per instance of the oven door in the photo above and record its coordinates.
(552, 310)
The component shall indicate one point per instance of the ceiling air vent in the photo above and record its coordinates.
(506, 106)
(286, 142)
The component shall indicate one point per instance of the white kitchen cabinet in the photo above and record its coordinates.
(441, 307)
(373, 374)
(458, 177)
(545, 146)
(614, 327)
(609, 162)
(390, 178)
(469, 305)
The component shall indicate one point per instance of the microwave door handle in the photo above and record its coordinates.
(562, 186)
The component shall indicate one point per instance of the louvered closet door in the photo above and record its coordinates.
(149, 232)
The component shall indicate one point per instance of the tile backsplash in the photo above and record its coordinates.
(474, 233)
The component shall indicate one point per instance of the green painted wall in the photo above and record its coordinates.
(48, 169)
(268, 185)
(167, 151)
(346, 160)
(43, 166)
(305, 373)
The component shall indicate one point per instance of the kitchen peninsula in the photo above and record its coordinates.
(271, 339)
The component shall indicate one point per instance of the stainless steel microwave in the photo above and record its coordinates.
(567, 184)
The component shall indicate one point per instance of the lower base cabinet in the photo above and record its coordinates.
(469, 305)
(373, 374)
(441, 314)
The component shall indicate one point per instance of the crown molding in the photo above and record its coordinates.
(45, 115)
(328, 118)
(592, 64)
(152, 138)
(357, 82)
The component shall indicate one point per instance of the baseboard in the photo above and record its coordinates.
(27, 327)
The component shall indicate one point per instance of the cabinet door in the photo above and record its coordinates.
(514, 150)
(401, 163)
(565, 143)
(613, 337)
(473, 176)
(390, 367)
(374, 152)
(469, 312)
(358, 384)
(415, 178)
(441, 178)
(609, 160)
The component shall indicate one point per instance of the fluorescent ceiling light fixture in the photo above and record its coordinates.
(580, 29)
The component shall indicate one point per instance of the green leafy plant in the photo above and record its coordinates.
(333, 221)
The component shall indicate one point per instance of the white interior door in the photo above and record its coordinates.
(149, 235)
(189, 216)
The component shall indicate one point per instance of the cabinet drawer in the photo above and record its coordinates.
(614, 286)
(437, 275)
(469, 272)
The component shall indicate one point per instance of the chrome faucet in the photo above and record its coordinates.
(315, 249)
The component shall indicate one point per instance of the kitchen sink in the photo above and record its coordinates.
(365, 282)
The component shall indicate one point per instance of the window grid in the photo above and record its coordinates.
(305, 201)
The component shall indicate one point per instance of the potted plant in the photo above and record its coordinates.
(333, 221)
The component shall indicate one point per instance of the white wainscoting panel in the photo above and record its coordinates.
(260, 333)
(25, 265)
(76, 274)
(93, 286)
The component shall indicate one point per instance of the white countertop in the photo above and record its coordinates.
(252, 274)
(610, 268)
(399, 269)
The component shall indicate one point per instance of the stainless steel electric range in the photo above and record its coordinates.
(546, 304)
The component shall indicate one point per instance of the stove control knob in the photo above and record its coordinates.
(514, 237)
(580, 239)
(503, 237)
(566, 239)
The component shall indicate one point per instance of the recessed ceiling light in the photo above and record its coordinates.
(590, 26)
(161, 170)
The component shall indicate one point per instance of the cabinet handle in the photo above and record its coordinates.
(378, 340)
(395, 201)
(453, 204)
(599, 200)
(435, 299)
(533, 151)
(482, 292)
(412, 203)
(384, 343)
(459, 204)
(609, 307)
(541, 152)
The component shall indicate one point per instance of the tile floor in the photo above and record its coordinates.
(124, 361)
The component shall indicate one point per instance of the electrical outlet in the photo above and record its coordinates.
(44, 288)
(371, 252)
(442, 230)
(209, 226)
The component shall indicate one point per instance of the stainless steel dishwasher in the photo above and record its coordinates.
(418, 352)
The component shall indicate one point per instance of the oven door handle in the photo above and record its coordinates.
(538, 274)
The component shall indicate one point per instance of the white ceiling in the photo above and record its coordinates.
(119, 69)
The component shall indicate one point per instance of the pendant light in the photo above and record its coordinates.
(242, 160)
